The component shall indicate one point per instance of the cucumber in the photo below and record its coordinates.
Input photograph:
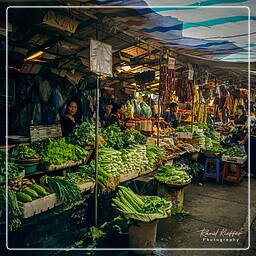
(24, 198)
(39, 189)
(30, 192)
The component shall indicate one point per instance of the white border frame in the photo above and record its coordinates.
(132, 249)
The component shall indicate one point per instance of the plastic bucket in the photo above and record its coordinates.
(142, 235)
(29, 167)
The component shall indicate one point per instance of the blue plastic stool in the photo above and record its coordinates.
(212, 173)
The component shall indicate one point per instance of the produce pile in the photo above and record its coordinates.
(25, 152)
(154, 155)
(116, 138)
(146, 209)
(235, 152)
(59, 152)
(13, 208)
(14, 170)
(66, 191)
(186, 128)
(27, 190)
(172, 174)
(82, 135)
(216, 149)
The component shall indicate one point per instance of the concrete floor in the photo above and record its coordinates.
(213, 207)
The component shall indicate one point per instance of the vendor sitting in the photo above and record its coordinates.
(170, 118)
(117, 115)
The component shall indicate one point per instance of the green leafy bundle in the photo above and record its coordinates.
(25, 152)
(82, 135)
(172, 174)
(112, 137)
(59, 152)
(13, 207)
(146, 209)
(13, 168)
(154, 155)
(235, 152)
(66, 191)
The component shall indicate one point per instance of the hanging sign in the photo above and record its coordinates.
(100, 58)
(171, 63)
(60, 22)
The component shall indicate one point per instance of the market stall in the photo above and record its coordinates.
(141, 110)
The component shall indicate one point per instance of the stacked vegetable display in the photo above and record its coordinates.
(145, 209)
(173, 175)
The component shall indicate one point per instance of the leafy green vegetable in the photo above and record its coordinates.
(172, 174)
(134, 205)
(13, 208)
(235, 152)
(14, 169)
(82, 135)
(66, 191)
(25, 152)
(59, 152)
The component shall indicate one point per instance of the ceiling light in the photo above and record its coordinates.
(34, 56)
(126, 68)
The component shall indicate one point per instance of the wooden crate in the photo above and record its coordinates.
(41, 132)
(39, 205)
(128, 176)
(86, 185)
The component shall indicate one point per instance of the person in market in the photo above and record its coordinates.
(117, 115)
(106, 114)
(70, 118)
(170, 117)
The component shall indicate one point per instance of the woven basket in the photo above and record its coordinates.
(146, 217)
(173, 185)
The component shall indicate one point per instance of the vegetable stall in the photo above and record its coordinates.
(59, 188)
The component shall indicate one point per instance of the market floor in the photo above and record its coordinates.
(214, 207)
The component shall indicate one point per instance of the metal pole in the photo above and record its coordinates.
(158, 103)
(96, 155)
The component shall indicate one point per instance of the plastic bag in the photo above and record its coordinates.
(45, 90)
(146, 110)
(137, 108)
(57, 99)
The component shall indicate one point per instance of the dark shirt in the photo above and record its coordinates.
(67, 125)
(241, 120)
(115, 119)
(170, 117)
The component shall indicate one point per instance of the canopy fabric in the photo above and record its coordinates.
(200, 28)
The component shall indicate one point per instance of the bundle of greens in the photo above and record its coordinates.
(59, 152)
(112, 137)
(13, 208)
(116, 138)
(186, 128)
(200, 125)
(172, 174)
(41, 146)
(146, 209)
(216, 149)
(195, 169)
(235, 152)
(14, 170)
(82, 135)
(25, 152)
(66, 191)
(133, 136)
(154, 155)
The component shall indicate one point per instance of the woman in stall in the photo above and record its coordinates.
(170, 116)
(117, 115)
(70, 118)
